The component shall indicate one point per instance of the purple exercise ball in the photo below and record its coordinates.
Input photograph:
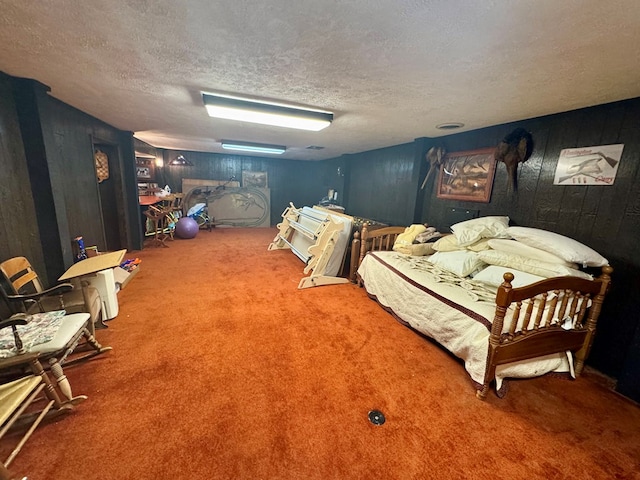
(186, 227)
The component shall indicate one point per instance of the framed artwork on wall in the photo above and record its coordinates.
(143, 172)
(467, 176)
(588, 165)
(254, 179)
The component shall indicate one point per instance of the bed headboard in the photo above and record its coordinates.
(379, 238)
(456, 215)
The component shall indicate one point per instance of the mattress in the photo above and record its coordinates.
(457, 314)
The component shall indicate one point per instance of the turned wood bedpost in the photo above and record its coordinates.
(355, 256)
(503, 300)
(363, 249)
(363, 243)
(592, 318)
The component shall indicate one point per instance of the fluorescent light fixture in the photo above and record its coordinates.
(253, 147)
(234, 108)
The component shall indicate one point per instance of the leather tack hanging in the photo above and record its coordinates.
(515, 148)
(434, 158)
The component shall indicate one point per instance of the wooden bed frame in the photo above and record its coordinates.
(573, 297)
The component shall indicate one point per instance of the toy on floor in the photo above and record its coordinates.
(130, 264)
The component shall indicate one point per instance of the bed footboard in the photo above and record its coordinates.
(554, 315)
(368, 241)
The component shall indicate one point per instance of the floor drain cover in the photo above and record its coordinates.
(376, 417)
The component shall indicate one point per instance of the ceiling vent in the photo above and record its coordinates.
(314, 147)
(450, 126)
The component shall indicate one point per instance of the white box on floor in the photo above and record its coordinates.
(105, 283)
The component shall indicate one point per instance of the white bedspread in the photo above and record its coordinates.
(453, 315)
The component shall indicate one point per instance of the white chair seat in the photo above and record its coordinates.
(70, 326)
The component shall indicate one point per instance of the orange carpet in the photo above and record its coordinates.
(222, 369)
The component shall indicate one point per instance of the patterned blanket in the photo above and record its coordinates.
(455, 312)
(477, 291)
(42, 327)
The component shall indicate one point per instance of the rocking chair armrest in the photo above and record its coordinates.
(56, 290)
(15, 319)
(21, 359)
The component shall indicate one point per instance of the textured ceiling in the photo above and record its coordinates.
(390, 70)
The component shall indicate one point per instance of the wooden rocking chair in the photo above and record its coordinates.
(55, 337)
(25, 293)
(18, 395)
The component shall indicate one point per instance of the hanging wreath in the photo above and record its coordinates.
(102, 165)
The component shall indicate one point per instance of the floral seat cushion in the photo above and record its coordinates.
(42, 328)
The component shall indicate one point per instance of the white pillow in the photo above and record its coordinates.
(416, 249)
(470, 231)
(409, 235)
(449, 243)
(564, 247)
(493, 276)
(461, 262)
(519, 248)
(530, 265)
(482, 244)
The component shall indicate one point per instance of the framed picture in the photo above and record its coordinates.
(467, 176)
(588, 165)
(254, 179)
(143, 172)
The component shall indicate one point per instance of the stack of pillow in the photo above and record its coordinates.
(487, 247)
(458, 253)
(416, 240)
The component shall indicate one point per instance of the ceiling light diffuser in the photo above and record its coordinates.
(233, 108)
(253, 147)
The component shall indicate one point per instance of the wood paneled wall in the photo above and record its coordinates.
(19, 230)
(52, 190)
(383, 184)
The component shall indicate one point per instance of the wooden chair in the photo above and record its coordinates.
(25, 293)
(157, 225)
(177, 203)
(19, 394)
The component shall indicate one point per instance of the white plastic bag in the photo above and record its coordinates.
(165, 191)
